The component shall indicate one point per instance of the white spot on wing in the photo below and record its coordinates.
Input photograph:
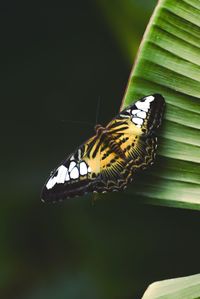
(124, 115)
(137, 121)
(67, 178)
(61, 174)
(134, 111)
(72, 165)
(51, 182)
(143, 105)
(83, 168)
(142, 114)
(89, 169)
(149, 98)
(60, 178)
(74, 174)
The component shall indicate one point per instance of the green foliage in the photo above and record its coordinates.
(168, 63)
(127, 20)
(184, 288)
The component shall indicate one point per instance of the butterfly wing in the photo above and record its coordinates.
(96, 166)
(75, 175)
(116, 171)
(141, 118)
(133, 129)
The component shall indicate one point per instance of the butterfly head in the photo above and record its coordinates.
(99, 129)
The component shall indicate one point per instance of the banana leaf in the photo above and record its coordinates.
(127, 21)
(184, 288)
(168, 62)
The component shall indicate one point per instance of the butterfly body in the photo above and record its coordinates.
(109, 160)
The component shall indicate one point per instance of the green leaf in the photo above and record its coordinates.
(168, 63)
(184, 288)
(127, 20)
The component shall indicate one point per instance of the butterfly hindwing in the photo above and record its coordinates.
(117, 172)
(109, 160)
(114, 171)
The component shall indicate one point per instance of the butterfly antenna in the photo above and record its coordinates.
(76, 122)
(97, 111)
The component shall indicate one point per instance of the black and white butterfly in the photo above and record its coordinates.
(109, 160)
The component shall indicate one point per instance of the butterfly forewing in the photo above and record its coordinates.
(110, 159)
(141, 118)
(74, 176)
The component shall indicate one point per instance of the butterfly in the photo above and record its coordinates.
(109, 160)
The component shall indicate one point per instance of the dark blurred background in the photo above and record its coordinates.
(57, 60)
